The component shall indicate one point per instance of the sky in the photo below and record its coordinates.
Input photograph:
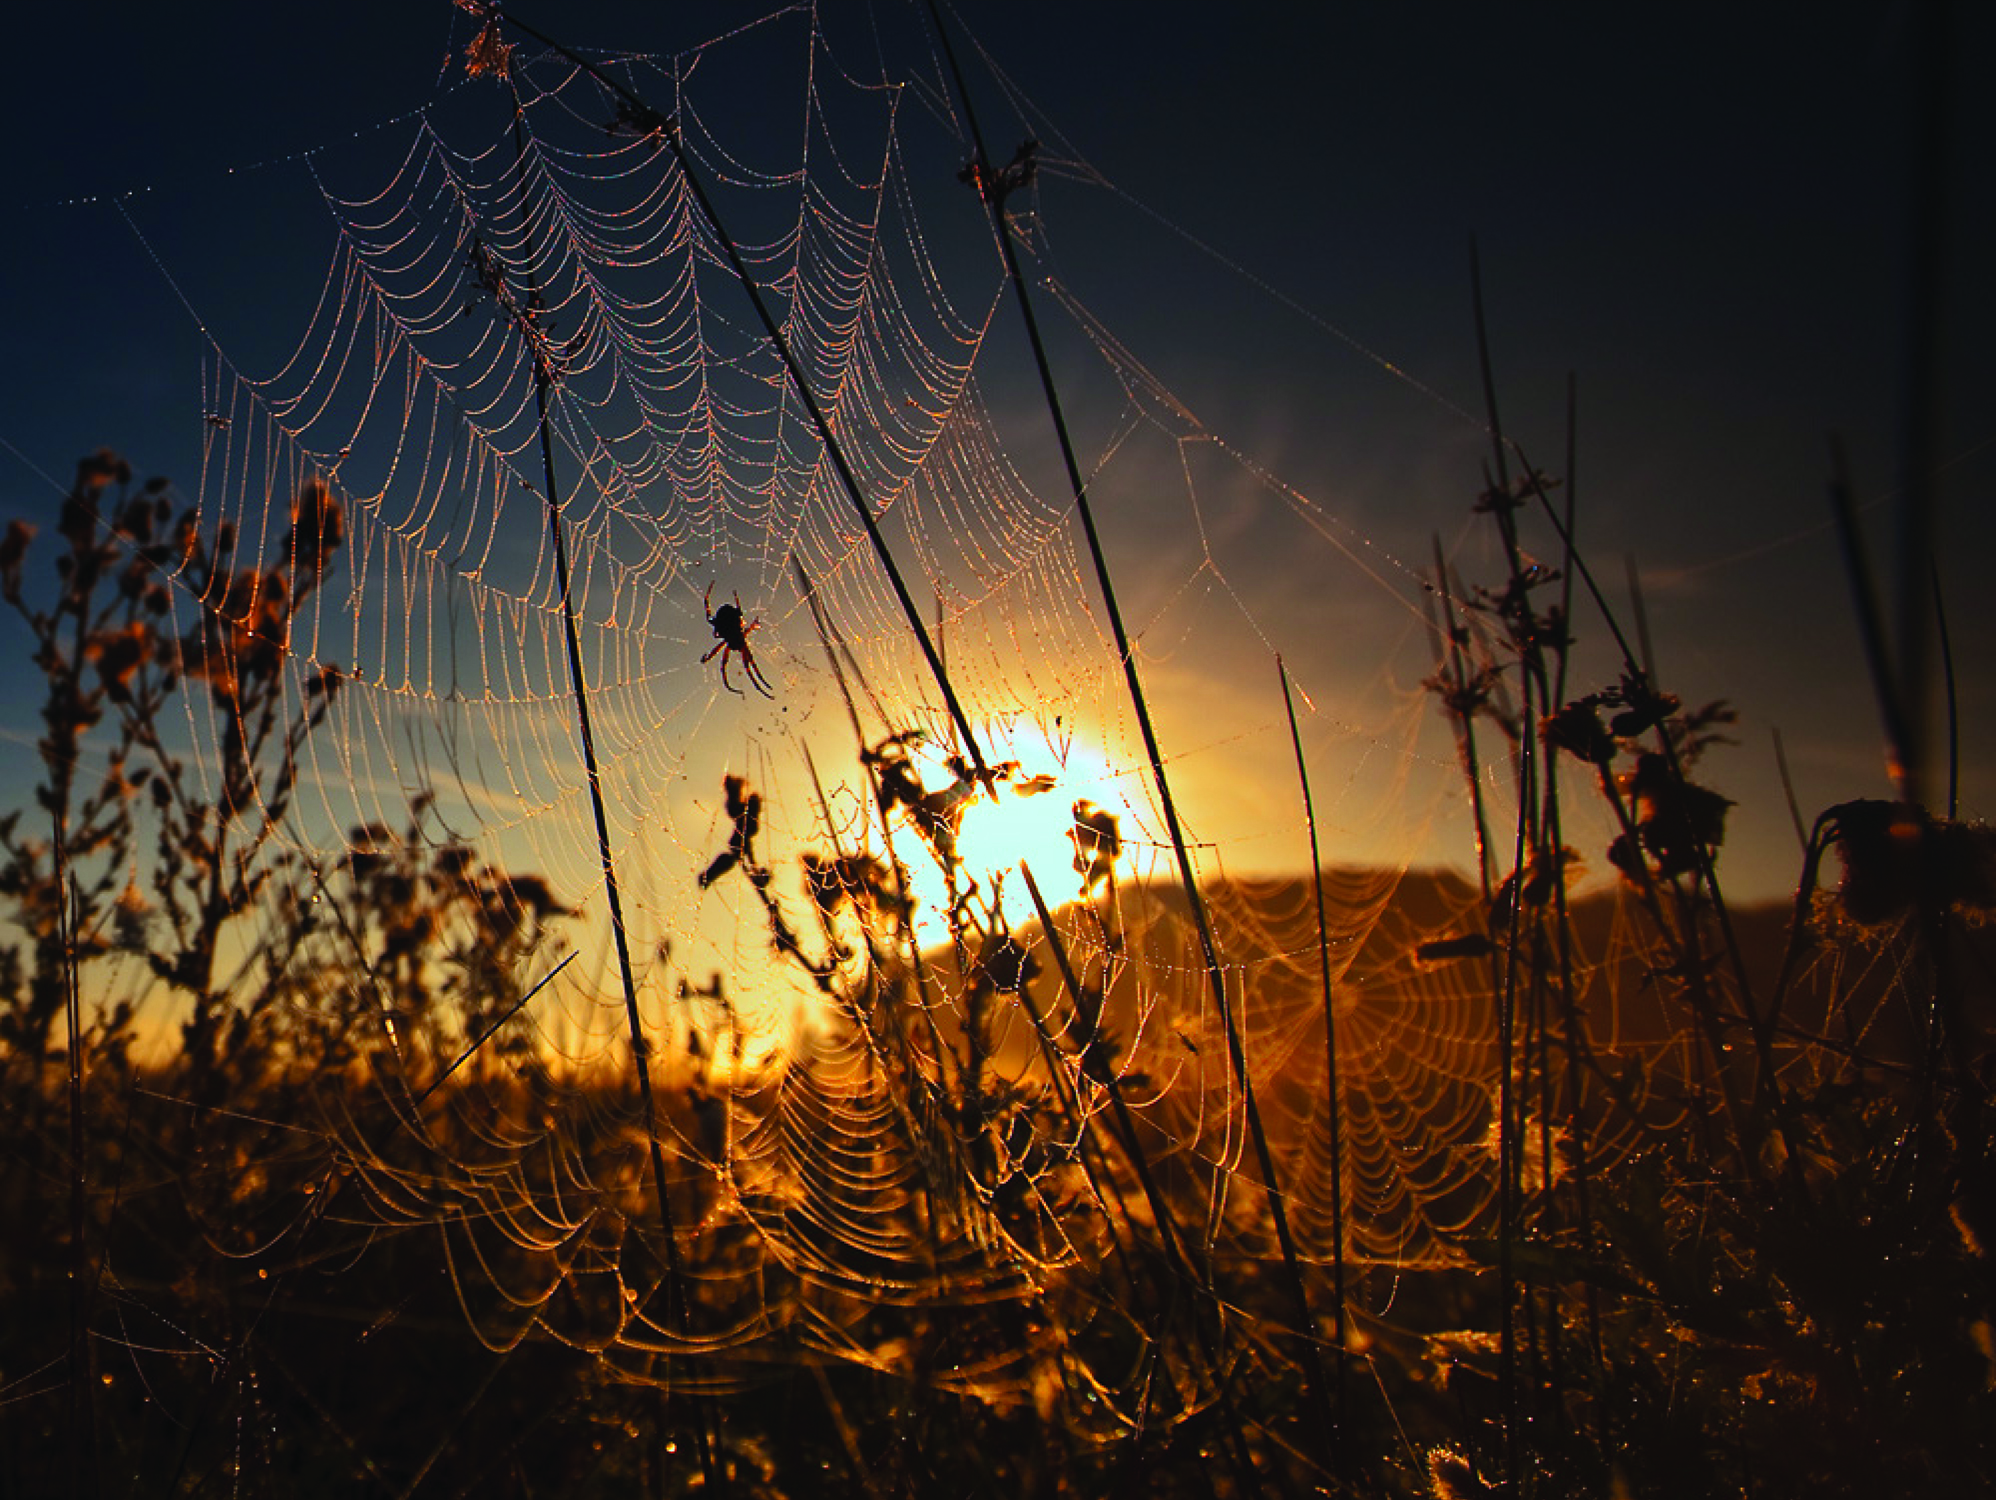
(1704, 219)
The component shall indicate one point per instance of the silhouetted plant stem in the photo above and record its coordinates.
(834, 643)
(1871, 628)
(877, 1054)
(855, 1456)
(1455, 673)
(82, 1455)
(1932, 39)
(1766, 1088)
(1507, 1139)
(1641, 613)
(1079, 1125)
(1495, 425)
(1088, 1152)
(1901, 700)
(1577, 1054)
(1564, 645)
(1788, 791)
(1506, 1142)
(1814, 845)
(235, 1354)
(1577, 1050)
(1768, 1095)
(1176, 1252)
(1551, 824)
(1578, 561)
(1331, 1101)
(451, 1428)
(1683, 952)
(1950, 700)
(367, 1465)
(678, 1295)
(937, 1149)
(988, 190)
(1199, 1277)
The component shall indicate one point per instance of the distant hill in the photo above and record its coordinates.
(1417, 1047)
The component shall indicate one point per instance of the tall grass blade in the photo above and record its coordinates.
(1496, 425)
(1507, 1136)
(1932, 26)
(1950, 700)
(1640, 611)
(1331, 1101)
(1767, 1093)
(1454, 670)
(82, 1444)
(1507, 991)
(1788, 791)
(678, 1295)
(1574, 1029)
(1305, 1320)
(834, 645)
(1176, 1247)
(1871, 629)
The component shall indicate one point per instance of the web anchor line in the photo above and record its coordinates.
(662, 128)
(993, 187)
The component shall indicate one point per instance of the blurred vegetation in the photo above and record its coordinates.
(257, 1266)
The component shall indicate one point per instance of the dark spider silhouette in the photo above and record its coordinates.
(733, 636)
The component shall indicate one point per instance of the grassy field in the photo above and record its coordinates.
(1447, 1185)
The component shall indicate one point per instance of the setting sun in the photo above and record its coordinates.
(832, 749)
(1028, 817)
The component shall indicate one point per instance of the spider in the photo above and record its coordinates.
(733, 636)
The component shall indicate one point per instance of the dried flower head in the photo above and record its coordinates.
(1897, 856)
(489, 55)
(318, 527)
(1098, 843)
(1578, 730)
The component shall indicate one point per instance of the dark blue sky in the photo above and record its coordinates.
(1703, 212)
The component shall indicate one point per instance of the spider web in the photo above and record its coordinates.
(520, 247)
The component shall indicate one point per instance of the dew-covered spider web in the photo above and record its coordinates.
(532, 359)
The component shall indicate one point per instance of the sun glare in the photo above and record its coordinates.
(1030, 820)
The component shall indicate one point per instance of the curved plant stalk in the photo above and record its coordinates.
(1177, 1249)
(678, 1297)
(1331, 1100)
(990, 186)
(1950, 700)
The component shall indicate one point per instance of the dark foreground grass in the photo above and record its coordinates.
(1677, 1200)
